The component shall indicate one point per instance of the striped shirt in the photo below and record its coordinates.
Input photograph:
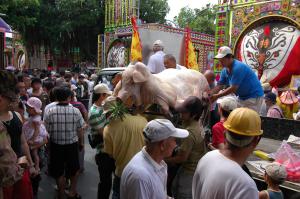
(97, 119)
(62, 123)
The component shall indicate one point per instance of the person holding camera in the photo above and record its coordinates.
(97, 121)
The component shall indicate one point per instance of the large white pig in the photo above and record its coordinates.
(165, 89)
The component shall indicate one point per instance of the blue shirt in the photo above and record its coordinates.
(243, 77)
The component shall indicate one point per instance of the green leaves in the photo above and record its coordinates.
(154, 11)
(60, 25)
(200, 20)
(118, 111)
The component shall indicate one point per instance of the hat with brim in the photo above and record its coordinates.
(276, 171)
(288, 97)
(161, 129)
(102, 88)
(228, 103)
(35, 103)
(222, 52)
(158, 43)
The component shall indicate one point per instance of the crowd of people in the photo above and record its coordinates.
(44, 119)
(43, 116)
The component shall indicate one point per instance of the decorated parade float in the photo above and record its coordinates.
(114, 44)
(264, 35)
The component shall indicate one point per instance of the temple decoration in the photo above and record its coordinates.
(190, 56)
(118, 13)
(263, 34)
(114, 47)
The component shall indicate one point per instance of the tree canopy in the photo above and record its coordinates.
(154, 11)
(59, 25)
(200, 20)
(62, 25)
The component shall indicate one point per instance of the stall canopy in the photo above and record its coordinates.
(4, 25)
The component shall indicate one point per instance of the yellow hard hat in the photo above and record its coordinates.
(244, 121)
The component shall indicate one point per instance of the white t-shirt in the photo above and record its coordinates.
(143, 178)
(48, 106)
(218, 177)
(156, 62)
(179, 67)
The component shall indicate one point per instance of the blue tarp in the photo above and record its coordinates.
(4, 25)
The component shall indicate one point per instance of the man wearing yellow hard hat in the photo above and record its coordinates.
(219, 173)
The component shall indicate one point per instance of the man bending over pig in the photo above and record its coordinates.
(241, 80)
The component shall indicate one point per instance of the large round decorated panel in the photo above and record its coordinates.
(271, 46)
(116, 56)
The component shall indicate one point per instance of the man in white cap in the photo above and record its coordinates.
(145, 176)
(156, 61)
(240, 80)
(97, 122)
(225, 106)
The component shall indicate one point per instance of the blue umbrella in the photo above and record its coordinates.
(4, 25)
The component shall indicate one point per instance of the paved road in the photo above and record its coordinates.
(87, 184)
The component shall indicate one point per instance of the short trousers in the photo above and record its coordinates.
(64, 160)
(252, 103)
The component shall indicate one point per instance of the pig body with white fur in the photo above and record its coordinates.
(165, 89)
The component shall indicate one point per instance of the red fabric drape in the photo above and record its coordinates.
(291, 67)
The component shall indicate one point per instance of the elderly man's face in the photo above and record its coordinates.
(168, 146)
(169, 63)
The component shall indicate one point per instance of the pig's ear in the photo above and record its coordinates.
(138, 77)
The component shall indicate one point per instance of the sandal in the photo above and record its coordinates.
(76, 196)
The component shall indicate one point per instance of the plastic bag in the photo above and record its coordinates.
(290, 159)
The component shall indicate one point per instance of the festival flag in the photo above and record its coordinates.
(136, 46)
(190, 56)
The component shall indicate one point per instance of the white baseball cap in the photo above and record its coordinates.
(276, 171)
(161, 129)
(228, 103)
(158, 43)
(102, 88)
(223, 51)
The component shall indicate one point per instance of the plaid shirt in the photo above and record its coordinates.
(62, 123)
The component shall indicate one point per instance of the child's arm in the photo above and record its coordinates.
(263, 194)
(36, 126)
(38, 145)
